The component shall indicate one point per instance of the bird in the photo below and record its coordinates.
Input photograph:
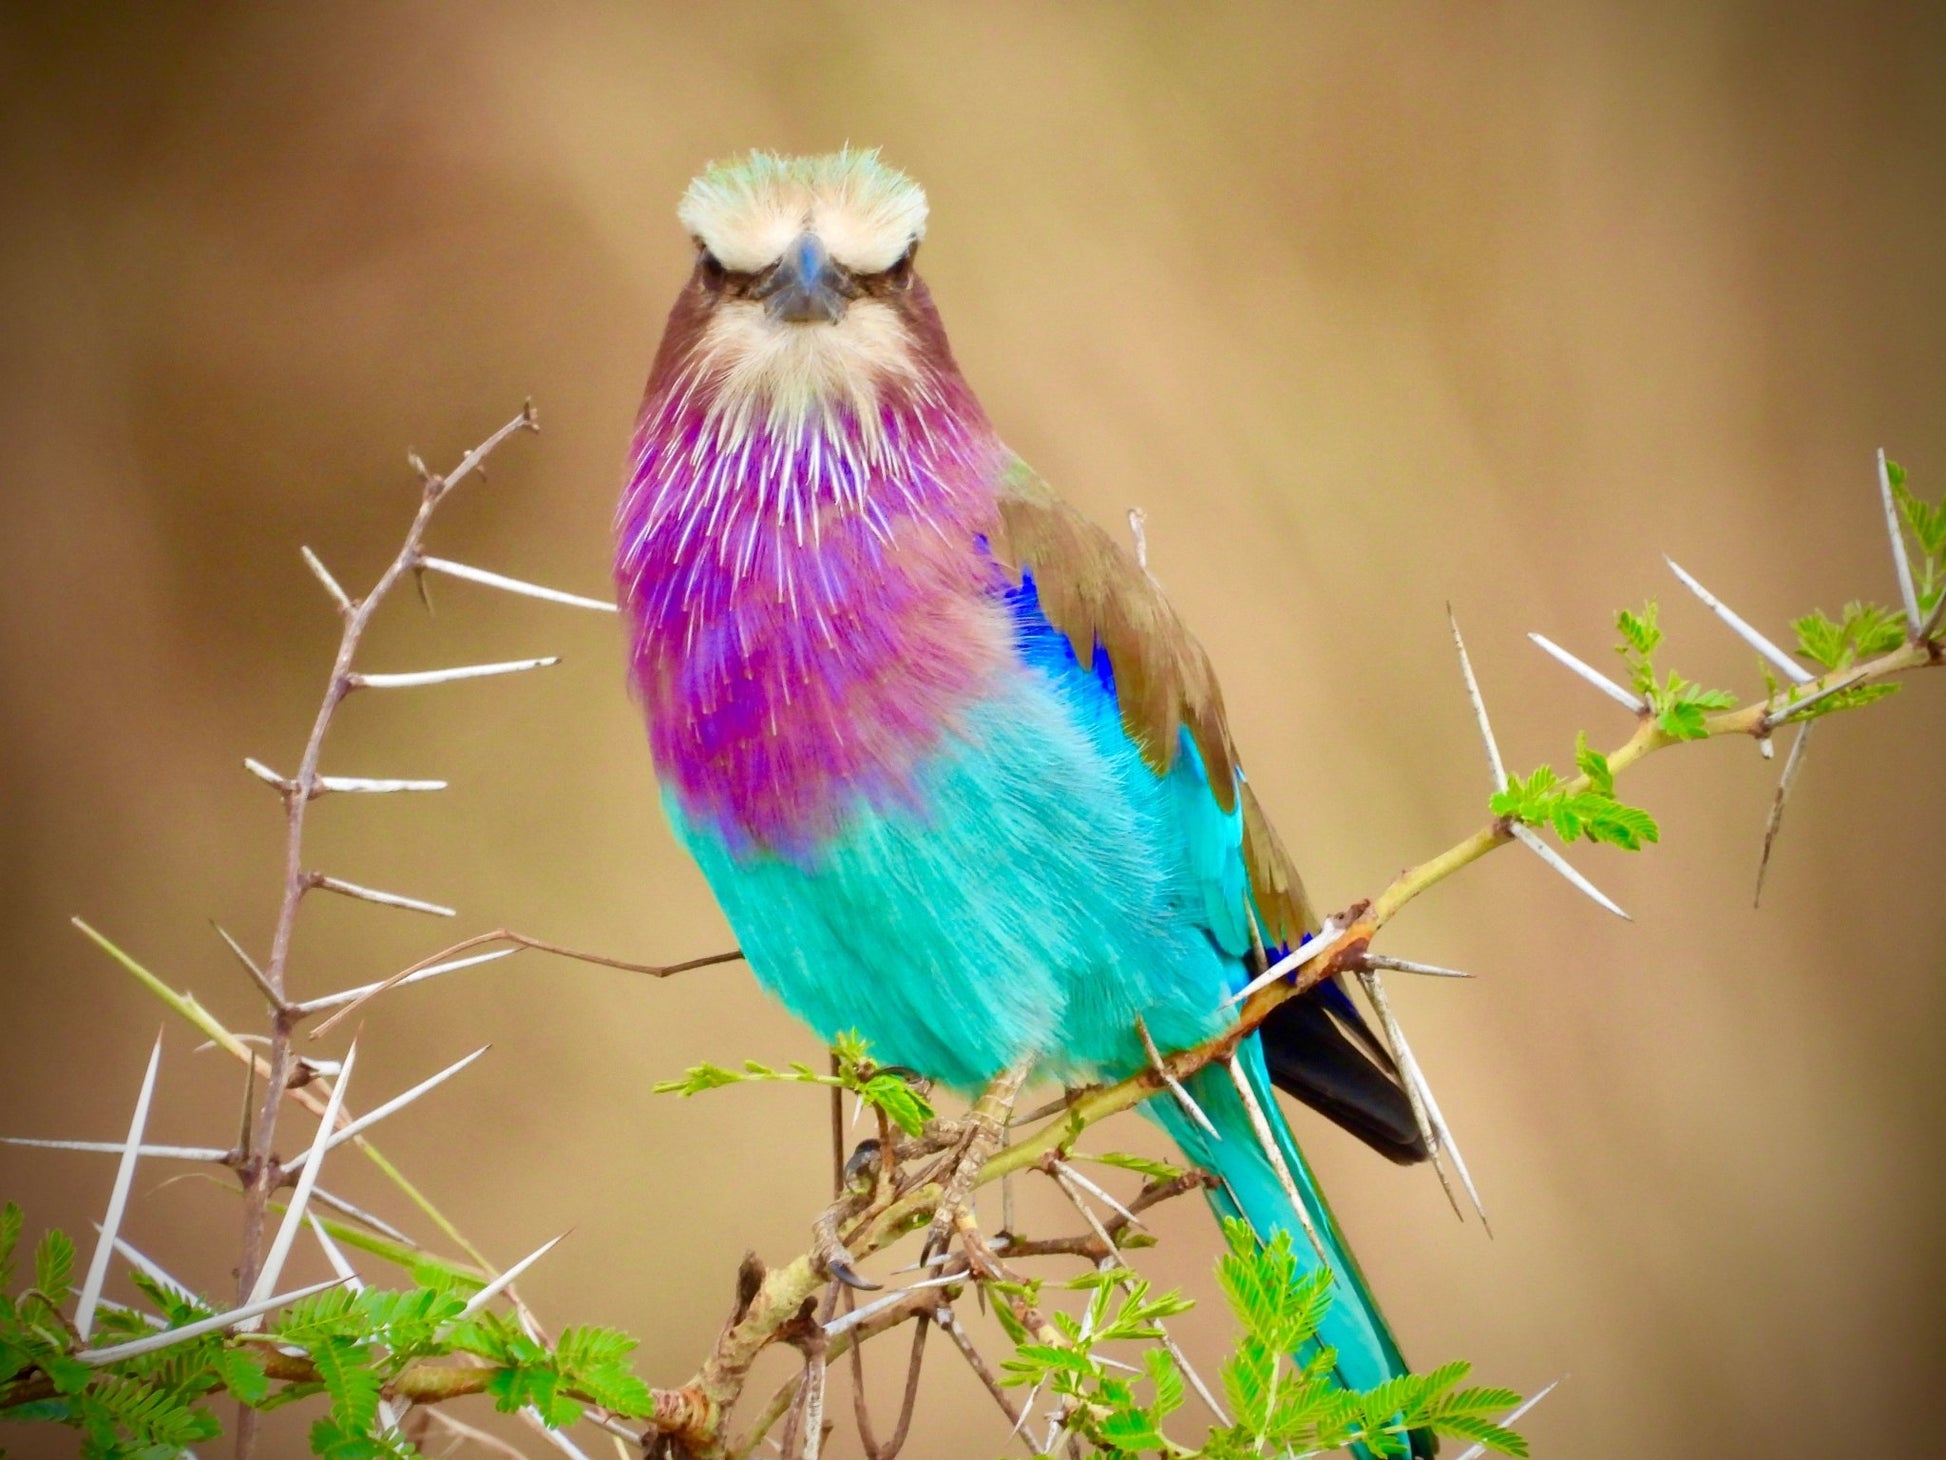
(955, 769)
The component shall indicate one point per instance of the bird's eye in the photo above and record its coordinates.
(712, 268)
(900, 274)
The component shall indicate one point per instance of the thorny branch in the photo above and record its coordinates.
(258, 1168)
(905, 1188)
(1345, 953)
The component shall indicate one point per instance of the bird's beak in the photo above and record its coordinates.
(805, 286)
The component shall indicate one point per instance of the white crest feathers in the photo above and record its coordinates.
(748, 212)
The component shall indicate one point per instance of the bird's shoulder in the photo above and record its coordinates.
(1093, 592)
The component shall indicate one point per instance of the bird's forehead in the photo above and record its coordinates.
(747, 212)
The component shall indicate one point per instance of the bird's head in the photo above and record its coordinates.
(803, 298)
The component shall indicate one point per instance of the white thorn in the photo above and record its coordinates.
(1793, 763)
(1837, 686)
(1027, 1409)
(388, 899)
(163, 1153)
(1450, 1145)
(323, 574)
(359, 1214)
(1512, 1416)
(391, 1107)
(1161, 1067)
(1109, 1259)
(1479, 706)
(1261, 1124)
(1433, 1129)
(376, 785)
(1195, 1380)
(1594, 676)
(1933, 619)
(257, 977)
(1106, 1196)
(940, 1258)
(352, 996)
(500, 1284)
(1529, 839)
(513, 585)
(811, 1446)
(216, 1323)
(446, 676)
(84, 1312)
(1788, 666)
(334, 1255)
(1302, 954)
(1406, 965)
(280, 1247)
(878, 1305)
(1906, 594)
(154, 1270)
(265, 774)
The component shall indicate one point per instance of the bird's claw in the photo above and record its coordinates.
(838, 1264)
(832, 1256)
(862, 1170)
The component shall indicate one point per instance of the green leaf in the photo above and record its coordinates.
(68, 1376)
(149, 1414)
(241, 1375)
(582, 1346)
(1819, 639)
(1167, 1378)
(54, 1266)
(538, 1385)
(351, 1382)
(1681, 708)
(1627, 827)
(331, 1441)
(695, 1080)
(1844, 699)
(903, 1105)
(322, 1315)
(1865, 630)
(594, 1361)
(10, 1222)
(1129, 1430)
(1683, 721)
(1594, 765)
(1639, 632)
(1141, 1165)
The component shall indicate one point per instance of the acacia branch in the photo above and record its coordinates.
(1362, 921)
(258, 1162)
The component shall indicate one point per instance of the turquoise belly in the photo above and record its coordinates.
(1040, 892)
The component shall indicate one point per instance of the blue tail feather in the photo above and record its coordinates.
(1367, 1354)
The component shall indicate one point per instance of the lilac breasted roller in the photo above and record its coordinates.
(953, 766)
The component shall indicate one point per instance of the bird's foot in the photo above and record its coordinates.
(829, 1252)
(979, 1138)
(983, 1262)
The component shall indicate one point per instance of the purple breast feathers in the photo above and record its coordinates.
(810, 606)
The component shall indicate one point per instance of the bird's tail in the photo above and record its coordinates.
(1354, 1328)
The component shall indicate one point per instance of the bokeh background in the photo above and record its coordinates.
(1370, 309)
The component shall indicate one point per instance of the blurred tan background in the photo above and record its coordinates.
(1370, 310)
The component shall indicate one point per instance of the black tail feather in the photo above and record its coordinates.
(1312, 1058)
